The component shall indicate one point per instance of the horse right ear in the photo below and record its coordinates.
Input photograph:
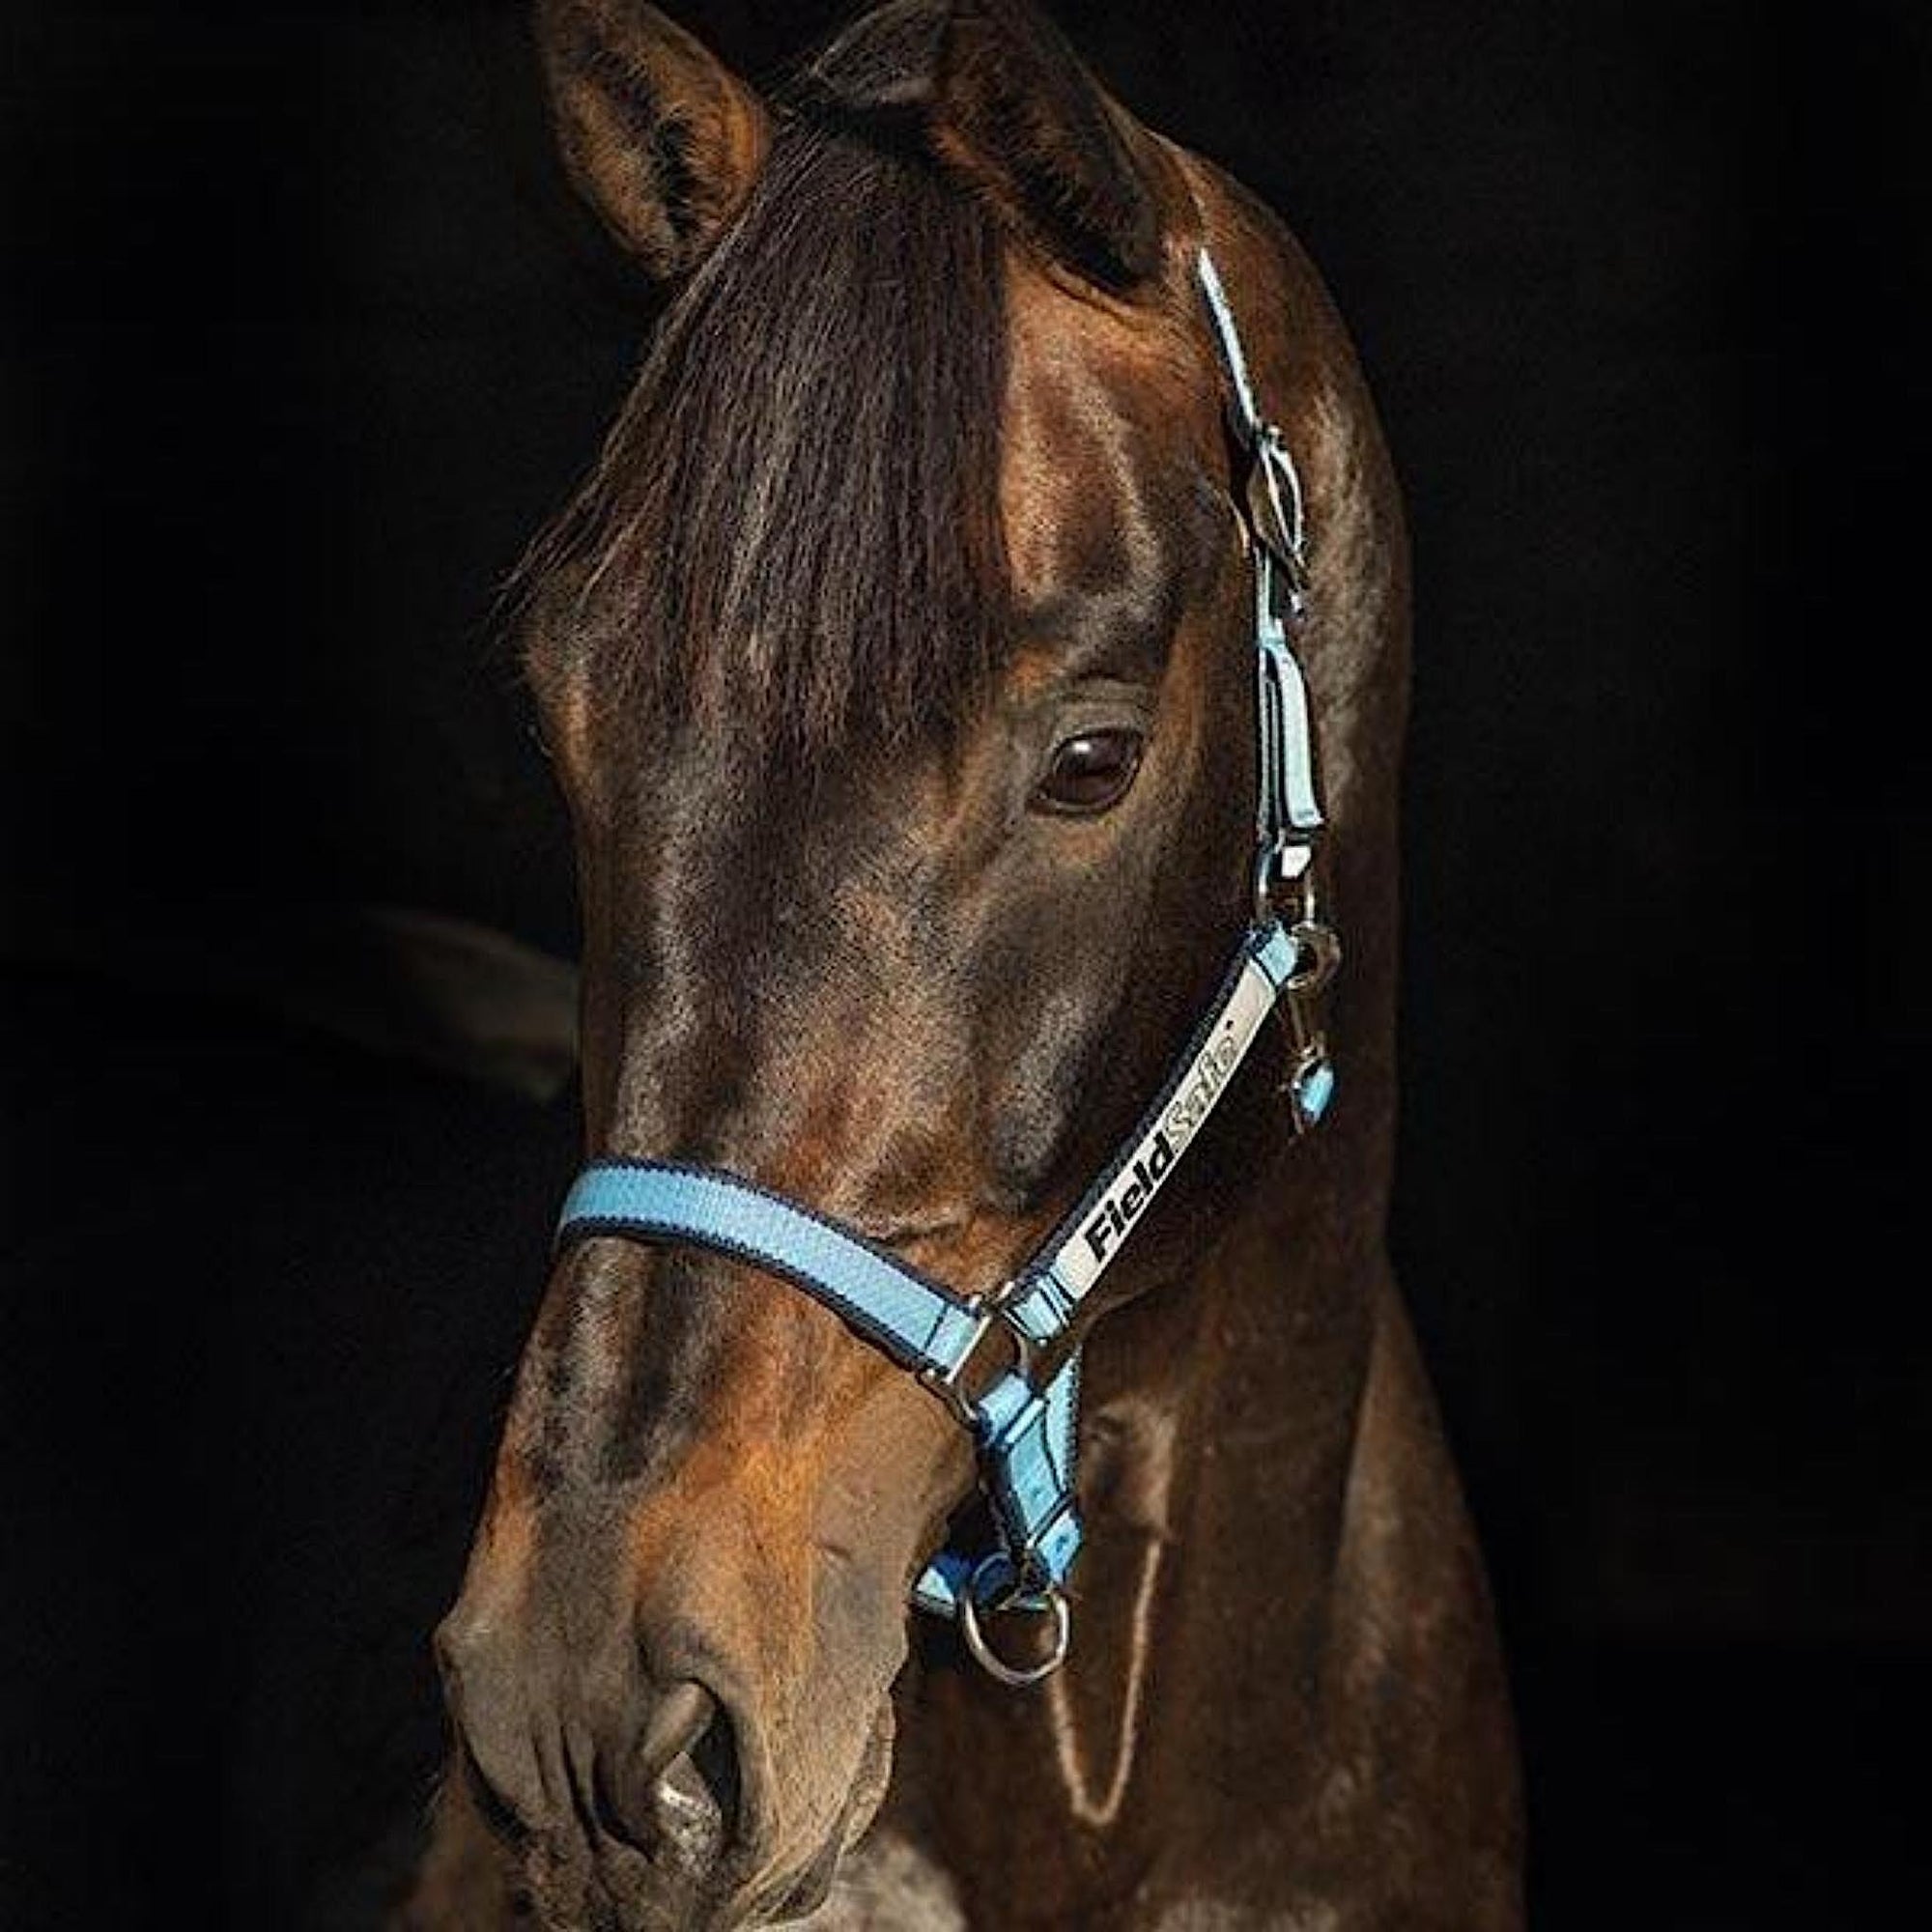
(1016, 114)
(658, 136)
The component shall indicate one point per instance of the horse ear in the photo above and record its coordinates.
(658, 135)
(1016, 114)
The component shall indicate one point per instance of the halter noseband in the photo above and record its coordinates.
(1026, 1433)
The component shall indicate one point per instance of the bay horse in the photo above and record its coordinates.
(999, 477)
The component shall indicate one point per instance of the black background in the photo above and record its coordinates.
(302, 340)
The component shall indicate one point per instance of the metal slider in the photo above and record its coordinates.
(953, 1386)
(1275, 509)
(1284, 862)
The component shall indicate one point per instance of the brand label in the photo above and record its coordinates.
(1135, 1185)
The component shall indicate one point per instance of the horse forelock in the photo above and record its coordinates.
(794, 526)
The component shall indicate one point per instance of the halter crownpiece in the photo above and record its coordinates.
(1026, 1433)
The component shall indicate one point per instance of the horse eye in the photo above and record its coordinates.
(1092, 772)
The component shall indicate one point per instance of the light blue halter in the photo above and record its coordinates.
(1026, 1433)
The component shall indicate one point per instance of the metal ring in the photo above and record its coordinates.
(1018, 1677)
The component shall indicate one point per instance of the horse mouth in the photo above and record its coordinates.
(810, 1888)
(614, 1886)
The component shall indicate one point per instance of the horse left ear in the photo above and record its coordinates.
(1015, 114)
(658, 134)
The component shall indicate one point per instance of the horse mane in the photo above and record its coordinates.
(794, 521)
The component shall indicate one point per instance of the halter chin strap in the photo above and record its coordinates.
(1026, 1431)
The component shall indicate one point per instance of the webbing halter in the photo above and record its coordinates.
(1026, 1434)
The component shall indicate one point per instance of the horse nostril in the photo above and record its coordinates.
(680, 1790)
(709, 1771)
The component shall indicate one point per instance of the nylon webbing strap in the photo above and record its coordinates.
(1287, 807)
(1047, 1451)
(919, 1323)
(1233, 357)
(1026, 1439)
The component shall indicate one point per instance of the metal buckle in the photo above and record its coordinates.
(1275, 504)
(950, 1385)
(1003, 1601)
(1287, 862)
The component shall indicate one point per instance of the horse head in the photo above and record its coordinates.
(897, 660)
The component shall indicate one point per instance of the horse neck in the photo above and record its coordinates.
(1222, 1416)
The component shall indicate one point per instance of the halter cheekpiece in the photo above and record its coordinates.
(1025, 1430)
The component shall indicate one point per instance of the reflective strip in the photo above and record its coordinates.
(1223, 315)
(915, 1320)
(1288, 800)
